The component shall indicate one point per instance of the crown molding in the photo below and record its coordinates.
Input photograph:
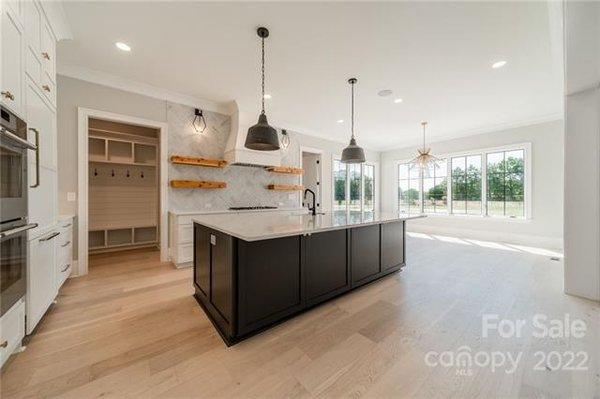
(116, 82)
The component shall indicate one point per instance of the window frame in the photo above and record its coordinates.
(527, 175)
(362, 185)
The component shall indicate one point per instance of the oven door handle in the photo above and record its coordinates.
(16, 230)
(37, 157)
(20, 141)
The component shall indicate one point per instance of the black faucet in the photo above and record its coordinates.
(314, 198)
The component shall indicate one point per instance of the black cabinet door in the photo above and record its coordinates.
(325, 265)
(365, 254)
(269, 281)
(202, 259)
(392, 245)
(221, 274)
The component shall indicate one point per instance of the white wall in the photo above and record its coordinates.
(544, 228)
(582, 149)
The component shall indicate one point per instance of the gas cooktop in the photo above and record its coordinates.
(250, 208)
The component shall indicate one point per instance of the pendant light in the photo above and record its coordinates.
(353, 153)
(424, 160)
(262, 136)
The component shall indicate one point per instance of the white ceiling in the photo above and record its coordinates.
(436, 56)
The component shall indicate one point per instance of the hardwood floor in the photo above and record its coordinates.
(131, 328)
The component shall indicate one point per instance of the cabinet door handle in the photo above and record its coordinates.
(37, 157)
(65, 244)
(48, 238)
(46, 87)
(66, 268)
(46, 55)
(4, 344)
(8, 94)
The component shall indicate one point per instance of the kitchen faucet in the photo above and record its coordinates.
(314, 198)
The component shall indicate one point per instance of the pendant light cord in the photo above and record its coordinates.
(352, 110)
(263, 75)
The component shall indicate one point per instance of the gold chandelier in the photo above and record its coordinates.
(424, 160)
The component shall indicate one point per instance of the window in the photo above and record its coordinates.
(435, 189)
(339, 185)
(353, 187)
(466, 185)
(409, 190)
(369, 187)
(490, 183)
(505, 183)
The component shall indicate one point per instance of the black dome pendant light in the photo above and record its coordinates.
(353, 153)
(262, 136)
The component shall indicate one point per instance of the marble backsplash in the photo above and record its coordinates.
(246, 186)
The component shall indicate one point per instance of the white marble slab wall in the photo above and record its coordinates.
(246, 186)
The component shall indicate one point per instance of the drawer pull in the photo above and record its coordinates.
(4, 344)
(9, 95)
(65, 244)
(46, 87)
(48, 238)
(66, 268)
(66, 225)
(46, 55)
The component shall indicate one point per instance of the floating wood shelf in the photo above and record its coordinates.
(286, 169)
(287, 187)
(211, 163)
(197, 184)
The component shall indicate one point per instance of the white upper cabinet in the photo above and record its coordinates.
(32, 17)
(12, 62)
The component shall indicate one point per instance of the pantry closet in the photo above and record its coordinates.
(123, 186)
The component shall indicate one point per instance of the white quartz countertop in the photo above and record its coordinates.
(260, 226)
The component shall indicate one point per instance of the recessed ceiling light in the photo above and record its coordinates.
(122, 46)
(267, 96)
(385, 93)
(498, 64)
(340, 121)
(398, 101)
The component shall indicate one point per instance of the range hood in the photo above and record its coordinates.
(236, 153)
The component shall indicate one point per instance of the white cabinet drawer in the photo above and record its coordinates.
(11, 60)
(63, 271)
(12, 330)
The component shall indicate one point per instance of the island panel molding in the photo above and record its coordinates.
(198, 184)
(248, 286)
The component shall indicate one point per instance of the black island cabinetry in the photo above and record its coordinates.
(247, 286)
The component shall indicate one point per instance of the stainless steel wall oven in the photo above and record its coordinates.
(13, 207)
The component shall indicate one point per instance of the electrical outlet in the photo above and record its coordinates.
(71, 196)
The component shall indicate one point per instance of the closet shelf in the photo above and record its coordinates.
(285, 187)
(211, 163)
(123, 163)
(197, 184)
(290, 170)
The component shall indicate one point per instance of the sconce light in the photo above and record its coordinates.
(199, 123)
(285, 139)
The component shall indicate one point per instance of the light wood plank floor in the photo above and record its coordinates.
(132, 329)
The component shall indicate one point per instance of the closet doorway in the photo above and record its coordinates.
(122, 185)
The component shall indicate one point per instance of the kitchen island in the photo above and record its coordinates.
(254, 270)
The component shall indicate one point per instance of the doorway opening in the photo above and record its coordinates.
(122, 180)
(312, 177)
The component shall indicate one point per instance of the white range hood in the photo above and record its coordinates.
(236, 153)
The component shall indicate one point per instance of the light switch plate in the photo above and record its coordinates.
(71, 196)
